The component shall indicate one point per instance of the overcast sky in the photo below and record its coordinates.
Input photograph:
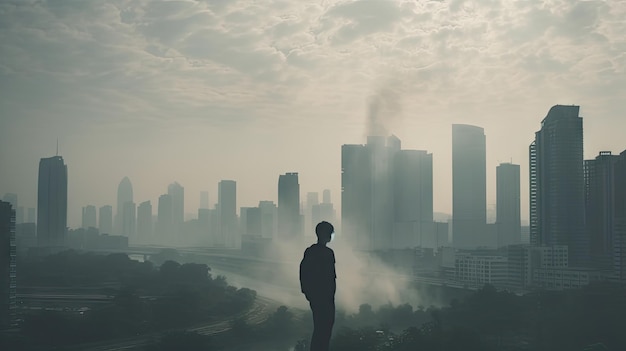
(198, 91)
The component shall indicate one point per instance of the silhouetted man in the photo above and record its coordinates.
(317, 281)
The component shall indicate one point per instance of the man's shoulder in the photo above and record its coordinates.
(319, 251)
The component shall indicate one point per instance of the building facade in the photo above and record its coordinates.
(508, 217)
(8, 262)
(89, 219)
(52, 202)
(124, 195)
(557, 191)
(228, 234)
(289, 218)
(105, 219)
(469, 187)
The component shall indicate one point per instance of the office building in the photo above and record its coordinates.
(508, 220)
(228, 235)
(619, 234)
(105, 219)
(557, 189)
(124, 195)
(8, 261)
(469, 187)
(144, 222)
(600, 208)
(413, 199)
(52, 202)
(386, 195)
(177, 192)
(269, 219)
(164, 227)
(289, 221)
(89, 217)
(129, 219)
(30, 215)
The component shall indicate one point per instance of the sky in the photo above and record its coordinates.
(199, 91)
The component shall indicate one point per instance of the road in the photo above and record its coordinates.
(262, 309)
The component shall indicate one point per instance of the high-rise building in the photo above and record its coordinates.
(164, 227)
(326, 196)
(227, 204)
(508, 220)
(204, 199)
(177, 192)
(557, 189)
(386, 194)
(600, 208)
(105, 219)
(89, 217)
(619, 234)
(312, 199)
(129, 219)
(124, 195)
(8, 260)
(356, 196)
(289, 219)
(12, 199)
(269, 219)
(19, 211)
(144, 222)
(52, 202)
(469, 187)
(413, 199)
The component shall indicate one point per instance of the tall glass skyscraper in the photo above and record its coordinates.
(52, 202)
(289, 224)
(469, 187)
(557, 187)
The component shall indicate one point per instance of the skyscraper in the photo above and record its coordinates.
(269, 219)
(356, 195)
(600, 208)
(469, 187)
(105, 219)
(386, 194)
(557, 189)
(12, 199)
(89, 217)
(129, 219)
(144, 222)
(177, 192)
(413, 199)
(8, 260)
(508, 220)
(227, 206)
(312, 199)
(619, 234)
(52, 202)
(289, 224)
(164, 219)
(124, 195)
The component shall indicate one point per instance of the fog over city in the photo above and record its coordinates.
(196, 92)
(216, 175)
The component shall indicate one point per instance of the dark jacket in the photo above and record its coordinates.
(317, 273)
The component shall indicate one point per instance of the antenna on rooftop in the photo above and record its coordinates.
(57, 146)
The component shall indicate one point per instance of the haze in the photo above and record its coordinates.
(199, 91)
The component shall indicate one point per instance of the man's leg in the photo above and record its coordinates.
(323, 321)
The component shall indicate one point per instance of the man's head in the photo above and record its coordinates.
(324, 230)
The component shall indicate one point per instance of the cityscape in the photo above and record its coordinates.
(335, 175)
